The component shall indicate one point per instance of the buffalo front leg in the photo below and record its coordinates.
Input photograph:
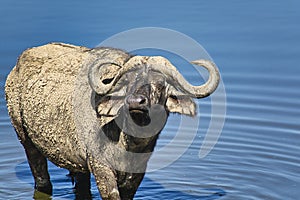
(105, 179)
(129, 184)
(38, 166)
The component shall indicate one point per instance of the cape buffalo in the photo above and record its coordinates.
(96, 111)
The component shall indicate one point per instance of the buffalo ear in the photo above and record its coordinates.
(180, 103)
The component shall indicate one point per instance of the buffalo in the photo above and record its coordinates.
(96, 111)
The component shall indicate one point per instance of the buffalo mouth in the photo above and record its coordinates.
(139, 110)
(140, 116)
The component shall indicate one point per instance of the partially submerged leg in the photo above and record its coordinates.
(128, 184)
(105, 179)
(38, 166)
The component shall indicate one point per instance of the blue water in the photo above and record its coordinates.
(256, 45)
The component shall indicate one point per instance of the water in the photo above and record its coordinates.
(256, 45)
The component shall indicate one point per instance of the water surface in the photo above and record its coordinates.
(256, 45)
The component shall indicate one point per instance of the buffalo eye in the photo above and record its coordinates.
(174, 98)
(107, 81)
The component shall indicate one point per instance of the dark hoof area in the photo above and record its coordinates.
(44, 186)
(46, 190)
(41, 196)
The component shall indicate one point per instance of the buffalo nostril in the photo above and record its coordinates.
(143, 101)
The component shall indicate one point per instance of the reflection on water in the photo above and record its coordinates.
(256, 46)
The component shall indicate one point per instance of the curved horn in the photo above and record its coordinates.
(103, 64)
(102, 80)
(99, 78)
(195, 91)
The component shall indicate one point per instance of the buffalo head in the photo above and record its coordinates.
(145, 89)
